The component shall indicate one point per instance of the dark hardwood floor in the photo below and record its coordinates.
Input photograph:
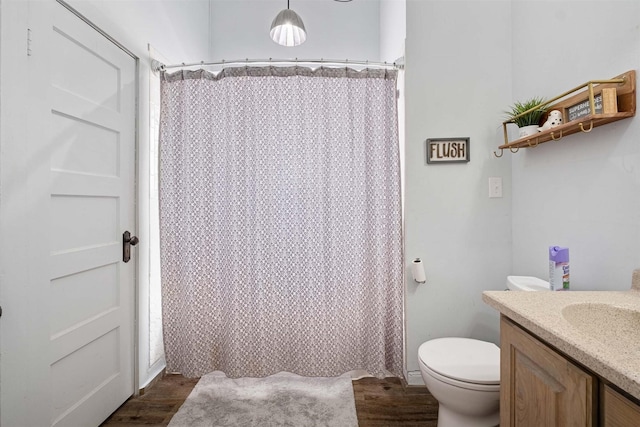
(388, 403)
(379, 403)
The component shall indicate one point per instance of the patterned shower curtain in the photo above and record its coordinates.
(280, 222)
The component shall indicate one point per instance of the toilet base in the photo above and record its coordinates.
(449, 418)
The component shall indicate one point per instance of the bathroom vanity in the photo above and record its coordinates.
(569, 358)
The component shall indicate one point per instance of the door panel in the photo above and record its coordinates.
(84, 147)
(538, 386)
(93, 136)
(77, 342)
(95, 58)
(100, 297)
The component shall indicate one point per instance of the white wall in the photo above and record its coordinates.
(177, 28)
(582, 192)
(335, 30)
(458, 82)
(393, 29)
(180, 31)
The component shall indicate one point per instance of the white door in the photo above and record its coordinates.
(66, 350)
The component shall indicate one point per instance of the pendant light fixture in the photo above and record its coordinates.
(287, 28)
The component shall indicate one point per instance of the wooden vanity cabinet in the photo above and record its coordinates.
(540, 387)
(618, 410)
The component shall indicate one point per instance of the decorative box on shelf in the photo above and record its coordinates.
(592, 104)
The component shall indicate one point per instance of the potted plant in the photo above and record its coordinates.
(527, 115)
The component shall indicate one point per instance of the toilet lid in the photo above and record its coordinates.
(463, 359)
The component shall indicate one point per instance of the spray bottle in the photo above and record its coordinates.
(558, 268)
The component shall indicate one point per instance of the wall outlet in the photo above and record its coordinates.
(495, 187)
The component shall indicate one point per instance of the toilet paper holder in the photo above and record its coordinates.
(417, 270)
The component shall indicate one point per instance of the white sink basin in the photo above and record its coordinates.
(527, 283)
(611, 325)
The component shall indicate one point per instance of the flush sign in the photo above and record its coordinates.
(448, 150)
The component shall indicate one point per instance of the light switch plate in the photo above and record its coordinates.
(495, 187)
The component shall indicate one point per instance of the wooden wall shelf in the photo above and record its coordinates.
(625, 97)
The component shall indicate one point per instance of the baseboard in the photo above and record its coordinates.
(414, 378)
(153, 382)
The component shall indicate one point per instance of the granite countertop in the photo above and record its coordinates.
(605, 344)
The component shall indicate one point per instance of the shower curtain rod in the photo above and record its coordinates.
(398, 64)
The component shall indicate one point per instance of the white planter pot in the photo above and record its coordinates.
(528, 130)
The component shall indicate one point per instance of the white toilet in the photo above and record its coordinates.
(463, 374)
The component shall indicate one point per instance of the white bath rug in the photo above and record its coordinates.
(280, 400)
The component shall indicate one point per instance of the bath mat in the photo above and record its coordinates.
(280, 400)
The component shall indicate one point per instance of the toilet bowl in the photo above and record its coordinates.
(463, 374)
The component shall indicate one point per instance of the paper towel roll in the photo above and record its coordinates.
(418, 271)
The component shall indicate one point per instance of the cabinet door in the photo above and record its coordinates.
(539, 387)
(617, 410)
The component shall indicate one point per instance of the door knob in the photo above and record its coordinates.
(127, 241)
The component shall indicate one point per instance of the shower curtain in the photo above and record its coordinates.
(280, 222)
